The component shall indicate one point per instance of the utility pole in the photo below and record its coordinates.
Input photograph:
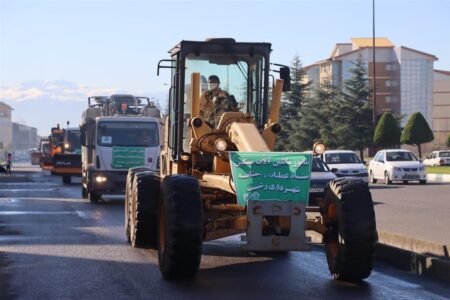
(374, 88)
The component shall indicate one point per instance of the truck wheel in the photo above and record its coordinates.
(350, 219)
(67, 179)
(180, 230)
(84, 193)
(143, 209)
(94, 197)
(128, 194)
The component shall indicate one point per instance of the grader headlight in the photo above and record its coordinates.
(319, 148)
(221, 145)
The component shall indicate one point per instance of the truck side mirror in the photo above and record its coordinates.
(285, 74)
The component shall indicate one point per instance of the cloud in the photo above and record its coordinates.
(43, 104)
(58, 90)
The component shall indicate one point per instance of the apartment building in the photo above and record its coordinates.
(441, 108)
(6, 139)
(404, 76)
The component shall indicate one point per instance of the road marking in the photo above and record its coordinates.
(15, 213)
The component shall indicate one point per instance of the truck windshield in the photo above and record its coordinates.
(73, 140)
(136, 134)
(342, 158)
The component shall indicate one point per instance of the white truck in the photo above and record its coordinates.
(117, 133)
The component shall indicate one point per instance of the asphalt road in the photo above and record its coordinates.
(54, 245)
(417, 211)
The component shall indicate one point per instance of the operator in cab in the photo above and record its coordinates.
(215, 101)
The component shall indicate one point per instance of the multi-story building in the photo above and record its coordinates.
(404, 76)
(6, 140)
(441, 108)
(24, 139)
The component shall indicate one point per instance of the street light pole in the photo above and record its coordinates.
(374, 88)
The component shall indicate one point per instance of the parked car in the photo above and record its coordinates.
(396, 165)
(438, 158)
(345, 163)
(320, 176)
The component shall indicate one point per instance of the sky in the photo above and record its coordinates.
(54, 54)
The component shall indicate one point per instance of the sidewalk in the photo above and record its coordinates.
(438, 177)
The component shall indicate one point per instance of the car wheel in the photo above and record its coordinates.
(423, 182)
(405, 181)
(387, 180)
(372, 178)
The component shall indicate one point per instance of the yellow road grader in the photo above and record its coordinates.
(220, 177)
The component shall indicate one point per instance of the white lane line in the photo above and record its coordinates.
(15, 213)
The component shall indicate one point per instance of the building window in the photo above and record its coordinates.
(388, 99)
(388, 67)
(387, 83)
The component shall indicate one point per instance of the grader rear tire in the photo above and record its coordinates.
(180, 230)
(350, 240)
(143, 210)
(128, 193)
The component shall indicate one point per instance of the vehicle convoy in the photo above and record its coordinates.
(220, 177)
(396, 165)
(117, 133)
(67, 163)
(345, 163)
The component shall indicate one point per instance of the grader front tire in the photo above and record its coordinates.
(350, 240)
(180, 230)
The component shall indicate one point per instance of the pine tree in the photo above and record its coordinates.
(417, 131)
(314, 119)
(291, 104)
(387, 132)
(352, 113)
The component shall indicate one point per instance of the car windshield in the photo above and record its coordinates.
(319, 166)
(137, 134)
(400, 156)
(444, 154)
(342, 158)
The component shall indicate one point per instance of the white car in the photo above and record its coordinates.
(438, 158)
(345, 163)
(396, 165)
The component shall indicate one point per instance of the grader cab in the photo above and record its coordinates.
(220, 177)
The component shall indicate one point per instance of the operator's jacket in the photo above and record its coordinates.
(214, 103)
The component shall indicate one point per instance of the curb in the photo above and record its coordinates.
(420, 264)
(438, 177)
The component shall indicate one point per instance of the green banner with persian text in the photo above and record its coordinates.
(127, 157)
(271, 176)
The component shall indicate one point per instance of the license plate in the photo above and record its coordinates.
(316, 190)
(411, 177)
